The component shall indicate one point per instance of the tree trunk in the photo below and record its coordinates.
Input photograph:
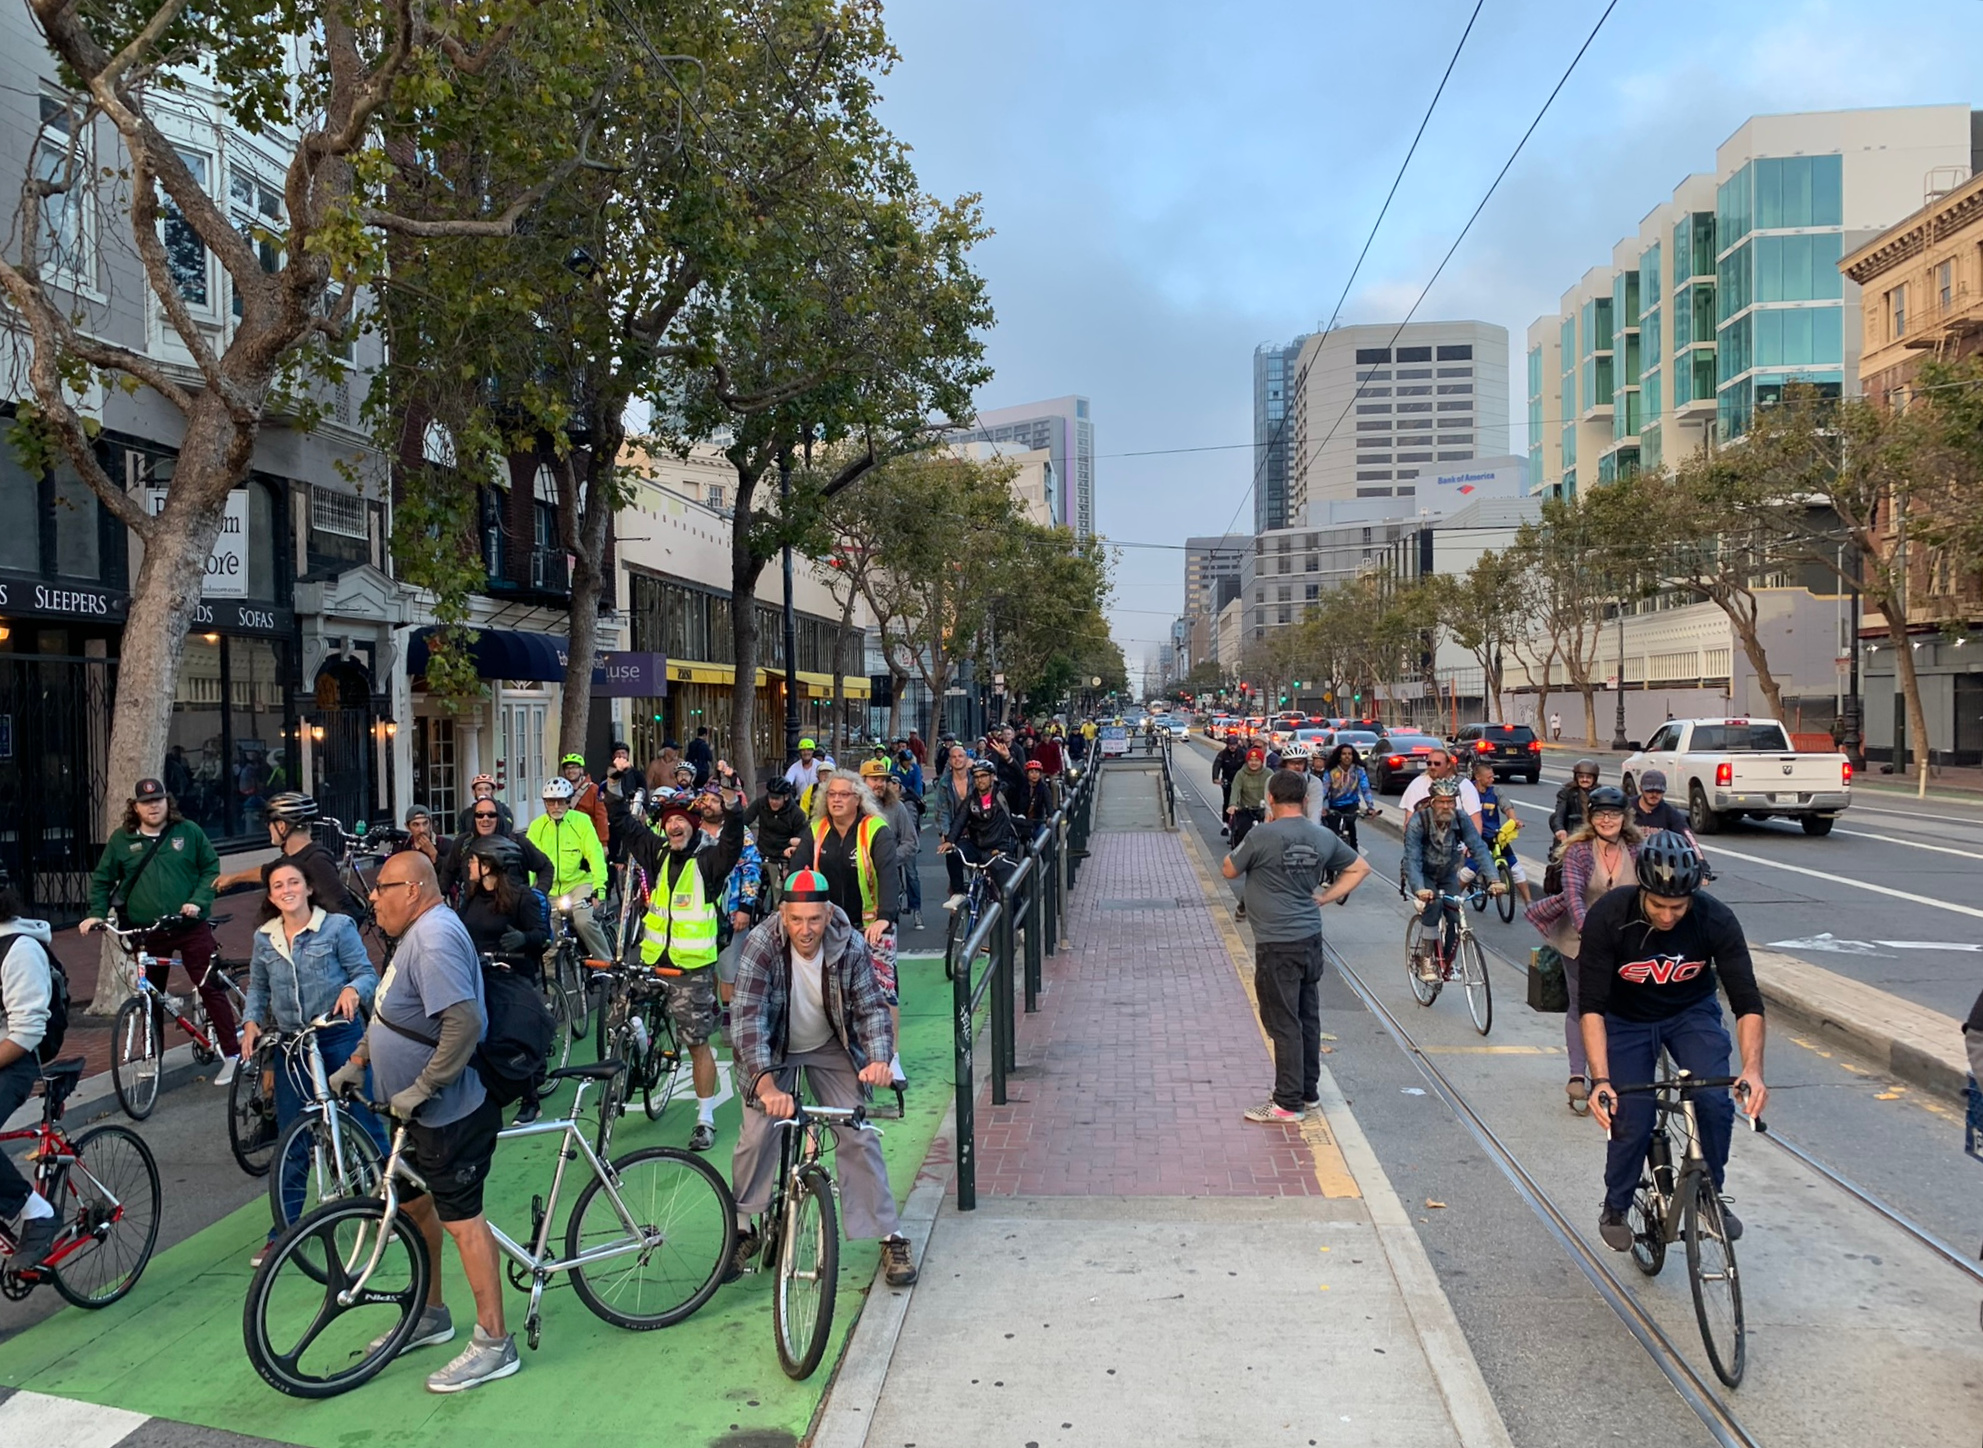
(745, 567)
(841, 702)
(1741, 610)
(898, 685)
(584, 527)
(1910, 685)
(1589, 691)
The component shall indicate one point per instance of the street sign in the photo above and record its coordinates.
(1115, 739)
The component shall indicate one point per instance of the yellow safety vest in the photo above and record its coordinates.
(863, 855)
(680, 922)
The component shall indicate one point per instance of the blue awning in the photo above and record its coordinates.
(501, 654)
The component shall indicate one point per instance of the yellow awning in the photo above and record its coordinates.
(858, 687)
(702, 673)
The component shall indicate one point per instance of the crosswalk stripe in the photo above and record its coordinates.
(29, 1417)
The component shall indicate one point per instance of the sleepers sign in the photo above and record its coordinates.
(39, 598)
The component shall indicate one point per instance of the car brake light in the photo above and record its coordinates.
(1724, 775)
(1845, 771)
(1535, 746)
(1395, 760)
(1483, 748)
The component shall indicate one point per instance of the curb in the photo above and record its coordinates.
(99, 1091)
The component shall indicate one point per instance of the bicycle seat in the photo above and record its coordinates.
(596, 1071)
(60, 1078)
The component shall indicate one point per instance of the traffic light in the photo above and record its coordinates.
(1284, 698)
(1357, 697)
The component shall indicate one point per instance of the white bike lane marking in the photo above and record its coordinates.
(1719, 852)
(1911, 844)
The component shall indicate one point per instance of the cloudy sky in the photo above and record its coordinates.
(1173, 182)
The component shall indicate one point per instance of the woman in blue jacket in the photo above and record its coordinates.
(1346, 792)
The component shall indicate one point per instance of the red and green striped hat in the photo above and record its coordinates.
(806, 885)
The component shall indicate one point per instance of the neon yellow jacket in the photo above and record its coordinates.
(578, 860)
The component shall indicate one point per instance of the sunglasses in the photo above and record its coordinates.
(486, 814)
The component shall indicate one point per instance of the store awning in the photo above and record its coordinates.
(702, 673)
(501, 654)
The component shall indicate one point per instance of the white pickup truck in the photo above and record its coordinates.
(1721, 769)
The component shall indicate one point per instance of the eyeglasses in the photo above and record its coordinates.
(389, 884)
(486, 814)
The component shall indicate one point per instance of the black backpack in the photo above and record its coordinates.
(513, 1058)
(58, 1001)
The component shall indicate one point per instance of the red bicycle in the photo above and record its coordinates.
(104, 1187)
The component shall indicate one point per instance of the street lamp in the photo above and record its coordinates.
(1618, 740)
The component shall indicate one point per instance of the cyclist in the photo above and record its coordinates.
(578, 861)
(807, 999)
(1248, 801)
(804, 773)
(28, 1221)
(586, 798)
(743, 889)
(1229, 761)
(625, 793)
(855, 850)
(499, 913)
(905, 819)
(980, 827)
(1498, 826)
(305, 963)
(686, 871)
(482, 787)
(1571, 799)
(1439, 765)
(420, 836)
(779, 824)
(532, 867)
(1037, 799)
(1298, 758)
(291, 821)
(158, 863)
(1651, 953)
(1652, 811)
(1438, 841)
(1346, 792)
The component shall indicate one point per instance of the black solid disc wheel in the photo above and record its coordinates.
(1648, 1230)
(1717, 1288)
(299, 1337)
(251, 1128)
(1506, 903)
(109, 1192)
(1480, 991)
(1427, 991)
(323, 1171)
(808, 1274)
(134, 1058)
(682, 1203)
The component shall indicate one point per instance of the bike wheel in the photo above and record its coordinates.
(661, 1069)
(1506, 904)
(563, 1033)
(134, 1058)
(808, 1274)
(108, 1199)
(300, 1338)
(1480, 991)
(313, 1169)
(251, 1128)
(684, 1214)
(1427, 991)
(1648, 1223)
(578, 995)
(1717, 1288)
(1478, 900)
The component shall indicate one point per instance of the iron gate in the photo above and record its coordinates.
(54, 757)
(344, 755)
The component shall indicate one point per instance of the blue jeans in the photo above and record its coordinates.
(292, 1090)
(16, 1086)
(1698, 1042)
(912, 884)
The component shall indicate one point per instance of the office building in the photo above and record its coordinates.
(1273, 436)
(1208, 561)
(1376, 406)
(1064, 430)
(1730, 290)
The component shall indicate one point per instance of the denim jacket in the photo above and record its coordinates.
(293, 982)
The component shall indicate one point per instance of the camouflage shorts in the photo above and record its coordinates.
(692, 1006)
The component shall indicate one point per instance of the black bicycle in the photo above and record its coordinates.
(979, 892)
(633, 1026)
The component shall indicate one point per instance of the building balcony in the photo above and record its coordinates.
(1961, 315)
(535, 573)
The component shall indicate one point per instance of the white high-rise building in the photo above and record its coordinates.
(1063, 428)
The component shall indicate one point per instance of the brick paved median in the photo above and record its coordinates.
(1144, 1053)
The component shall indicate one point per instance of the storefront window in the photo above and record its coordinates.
(197, 773)
(228, 748)
(78, 540)
(20, 515)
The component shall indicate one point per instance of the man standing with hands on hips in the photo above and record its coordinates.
(1284, 862)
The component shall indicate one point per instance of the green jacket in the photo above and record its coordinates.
(182, 872)
(577, 857)
(1249, 788)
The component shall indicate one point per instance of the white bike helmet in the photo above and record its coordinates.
(1295, 750)
(557, 788)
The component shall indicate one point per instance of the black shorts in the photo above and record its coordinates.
(454, 1160)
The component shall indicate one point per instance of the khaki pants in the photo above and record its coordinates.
(867, 1206)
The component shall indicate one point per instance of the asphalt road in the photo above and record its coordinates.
(1534, 1323)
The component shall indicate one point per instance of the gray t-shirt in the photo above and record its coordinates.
(434, 967)
(1282, 862)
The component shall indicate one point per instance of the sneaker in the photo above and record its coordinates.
(703, 1137)
(916, 920)
(1315, 1105)
(1267, 1112)
(33, 1240)
(898, 1267)
(1730, 1221)
(740, 1259)
(483, 1361)
(1579, 1093)
(436, 1325)
(1241, 913)
(262, 1255)
(228, 1066)
(954, 903)
(1428, 969)
(1611, 1226)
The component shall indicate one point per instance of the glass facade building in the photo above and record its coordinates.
(1273, 431)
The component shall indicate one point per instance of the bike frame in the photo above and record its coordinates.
(53, 1151)
(1693, 1163)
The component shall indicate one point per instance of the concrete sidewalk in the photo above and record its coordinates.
(1146, 1268)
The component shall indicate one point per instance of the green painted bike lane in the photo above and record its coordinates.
(173, 1349)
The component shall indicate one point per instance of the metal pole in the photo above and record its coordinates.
(1618, 740)
(1035, 923)
(791, 625)
(966, 1093)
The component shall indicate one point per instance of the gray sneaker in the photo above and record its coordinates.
(436, 1325)
(483, 1361)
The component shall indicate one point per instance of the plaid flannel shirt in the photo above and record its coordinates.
(760, 1011)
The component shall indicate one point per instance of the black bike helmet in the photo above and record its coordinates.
(498, 852)
(292, 808)
(1585, 766)
(1606, 796)
(1669, 864)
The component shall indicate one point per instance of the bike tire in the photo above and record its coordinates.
(282, 1295)
(1424, 991)
(1647, 1222)
(251, 1126)
(1479, 902)
(1479, 989)
(563, 1034)
(324, 1180)
(1506, 903)
(134, 1058)
(661, 1068)
(571, 980)
(1717, 1287)
(112, 1164)
(802, 1297)
(681, 1199)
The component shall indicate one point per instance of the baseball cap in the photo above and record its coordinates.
(807, 885)
(874, 768)
(147, 791)
(1653, 779)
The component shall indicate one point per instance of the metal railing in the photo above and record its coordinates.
(1028, 913)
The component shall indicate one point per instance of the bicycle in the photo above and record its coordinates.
(979, 891)
(799, 1231)
(103, 1184)
(1678, 1202)
(325, 1153)
(1472, 961)
(566, 969)
(251, 1127)
(1502, 848)
(659, 1221)
(136, 1050)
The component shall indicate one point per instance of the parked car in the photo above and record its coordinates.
(1398, 758)
(1513, 749)
(1722, 769)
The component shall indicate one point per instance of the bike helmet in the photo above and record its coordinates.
(292, 808)
(1585, 766)
(1445, 789)
(1607, 796)
(498, 852)
(578, 759)
(480, 780)
(984, 766)
(683, 766)
(1669, 865)
(1297, 750)
(557, 787)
